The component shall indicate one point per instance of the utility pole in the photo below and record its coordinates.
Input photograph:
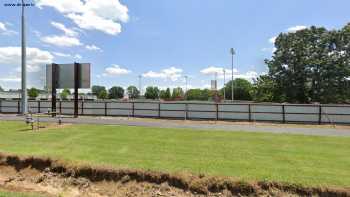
(232, 89)
(224, 84)
(24, 100)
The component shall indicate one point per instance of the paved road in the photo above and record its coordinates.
(203, 125)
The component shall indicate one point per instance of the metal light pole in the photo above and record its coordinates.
(24, 69)
(232, 53)
(224, 84)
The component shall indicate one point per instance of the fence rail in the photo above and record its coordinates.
(334, 114)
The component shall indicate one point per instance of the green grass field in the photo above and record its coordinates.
(307, 160)
(17, 194)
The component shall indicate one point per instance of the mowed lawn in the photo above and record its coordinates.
(307, 160)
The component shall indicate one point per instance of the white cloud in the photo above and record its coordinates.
(269, 49)
(273, 40)
(58, 54)
(236, 74)
(77, 56)
(10, 79)
(61, 41)
(101, 15)
(171, 73)
(35, 57)
(296, 28)
(5, 31)
(115, 70)
(211, 70)
(93, 48)
(62, 27)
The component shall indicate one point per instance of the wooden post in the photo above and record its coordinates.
(39, 107)
(60, 107)
(18, 107)
(217, 111)
(0, 105)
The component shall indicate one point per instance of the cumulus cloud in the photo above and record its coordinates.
(35, 57)
(212, 70)
(61, 41)
(296, 28)
(58, 54)
(171, 73)
(115, 70)
(62, 27)
(78, 56)
(101, 15)
(93, 48)
(10, 79)
(5, 31)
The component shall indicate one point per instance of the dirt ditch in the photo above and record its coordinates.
(56, 178)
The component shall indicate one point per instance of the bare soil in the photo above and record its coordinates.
(56, 178)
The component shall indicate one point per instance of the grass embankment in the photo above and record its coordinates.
(307, 160)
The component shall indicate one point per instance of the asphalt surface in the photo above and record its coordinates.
(325, 130)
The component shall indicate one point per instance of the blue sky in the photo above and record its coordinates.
(162, 40)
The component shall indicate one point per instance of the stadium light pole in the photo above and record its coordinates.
(232, 51)
(24, 69)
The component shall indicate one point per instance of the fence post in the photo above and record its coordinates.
(320, 114)
(105, 108)
(60, 107)
(133, 109)
(82, 107)
(283, 114)
(217, 111)
(0, 106)
(159, 110)
(18, 107)
(250, 112)
(39, 107)
(186, 111)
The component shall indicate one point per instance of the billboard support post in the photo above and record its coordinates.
(53, 89)
(76, 88)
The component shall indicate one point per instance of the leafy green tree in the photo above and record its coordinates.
(242, 89)
(99, 91)
(33, 93)
(165, 94)
(177, 93)
(116, 92)
(311, 65)
(152, 92)
(133, 92)
(65, 93)
(103, 94)
(198, 94)
(264, 90)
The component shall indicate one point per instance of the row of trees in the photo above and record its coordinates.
(243, 90)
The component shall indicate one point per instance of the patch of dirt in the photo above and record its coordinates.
(56, 178)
